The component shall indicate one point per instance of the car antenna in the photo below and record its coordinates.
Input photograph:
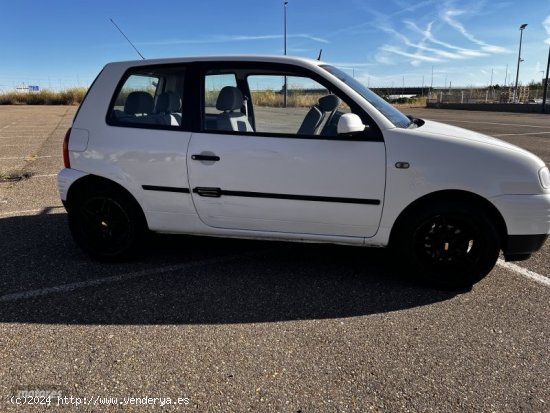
(320, 53)
(121, 32)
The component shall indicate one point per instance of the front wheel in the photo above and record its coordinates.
(106, 223)
(450, 246)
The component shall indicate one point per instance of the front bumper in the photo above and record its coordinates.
(520, 247)
(527, 219)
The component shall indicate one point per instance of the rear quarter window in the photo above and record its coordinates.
(149, 98)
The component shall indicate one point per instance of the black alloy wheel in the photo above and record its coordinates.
(107, 224)
(449, 246)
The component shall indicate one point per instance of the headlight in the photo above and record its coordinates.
(544, 176)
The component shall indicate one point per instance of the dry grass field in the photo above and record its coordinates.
(71, 96)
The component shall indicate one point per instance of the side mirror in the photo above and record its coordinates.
(350, 124)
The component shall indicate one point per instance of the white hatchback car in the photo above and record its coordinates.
(292, 149)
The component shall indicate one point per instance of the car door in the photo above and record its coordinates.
(274, 179)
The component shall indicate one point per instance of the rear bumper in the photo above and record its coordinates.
(65, 178)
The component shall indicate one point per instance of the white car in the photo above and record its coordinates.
(281, 148)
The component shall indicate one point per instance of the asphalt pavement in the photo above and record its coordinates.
(216, 325)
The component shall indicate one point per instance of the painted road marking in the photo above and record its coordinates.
(43, 176)
(64, 288)
(520, 134)
(21, 144)
(29, 212)
(493, 123)
(30, 157)
(33, 137)
(541, 279)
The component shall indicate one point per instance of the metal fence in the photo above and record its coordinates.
(525, 94)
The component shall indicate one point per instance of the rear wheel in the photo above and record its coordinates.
(106, 223)
(449, 246)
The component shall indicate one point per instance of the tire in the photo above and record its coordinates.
(107, 223)
(447, 245)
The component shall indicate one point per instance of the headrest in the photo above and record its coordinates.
(138, 102)
(230, 98)
(329, 102)
(168, 102)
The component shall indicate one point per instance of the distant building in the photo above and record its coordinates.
(27, 89)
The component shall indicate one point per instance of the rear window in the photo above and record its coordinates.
(149, 98)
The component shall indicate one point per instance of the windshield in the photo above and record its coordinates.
(393, 115)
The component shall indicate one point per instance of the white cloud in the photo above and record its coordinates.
(494, 49)
(546, 24)
(449, 14)
(418, 43)
(431, 38)
(398, 51)
(231, 38)
(406, 7)
(421, 46)
(352, 65)
(426, 47)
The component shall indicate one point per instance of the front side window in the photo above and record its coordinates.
(267, 102)
(221, 106)
(391, 113)
(294, 105)
(149, 98)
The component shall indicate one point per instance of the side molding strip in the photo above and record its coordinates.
(165, 189)
(217, 192)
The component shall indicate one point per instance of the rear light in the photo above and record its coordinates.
(544, 176)
(66, 160)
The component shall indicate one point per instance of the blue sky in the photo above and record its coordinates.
(61, 43)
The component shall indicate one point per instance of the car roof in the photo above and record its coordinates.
(302, 61)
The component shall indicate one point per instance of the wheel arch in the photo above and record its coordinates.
(95, 181)
(452, 196)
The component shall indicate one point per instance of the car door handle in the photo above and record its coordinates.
(205, 158)
(208, 192)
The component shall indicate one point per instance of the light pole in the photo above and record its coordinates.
(491, 86)
(285, 85)
(523, 26)
(285, 5)
(506, 77)
(431, 84)
(546, 84)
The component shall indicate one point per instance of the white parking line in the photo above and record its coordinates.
(31, 157)
(33, 137)
(520, 134)
(492, 123)
(117, 278)
(19, 145)
(29, 212)
(541, 279)
(43, 176)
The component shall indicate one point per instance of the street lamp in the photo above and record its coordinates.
(285, 85)
(285, 5)
(523, 26)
